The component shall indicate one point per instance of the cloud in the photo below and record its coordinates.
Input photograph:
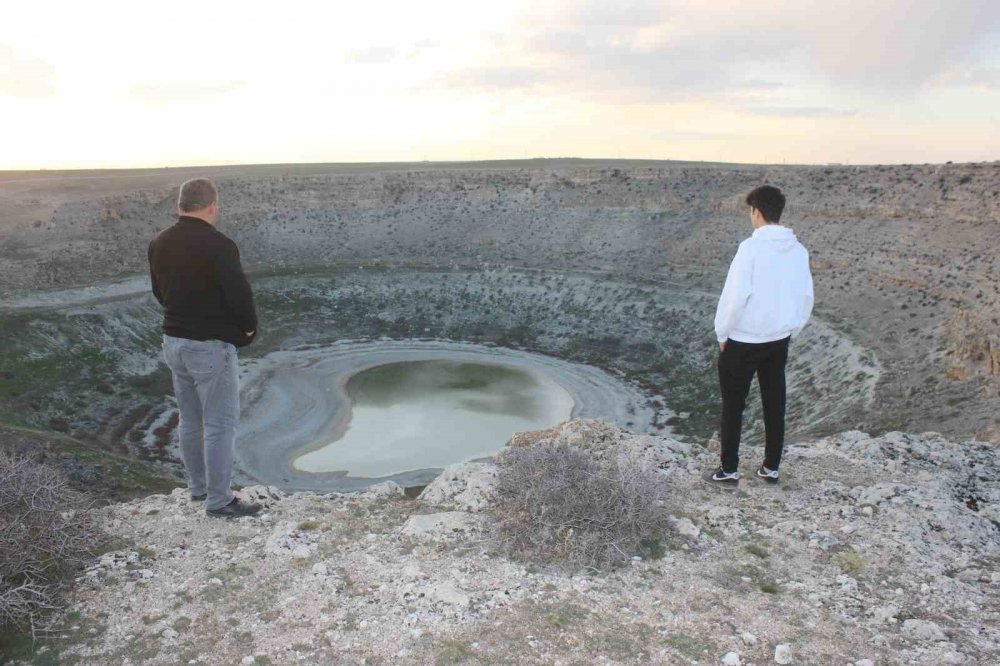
(699, 136)
(24, 77)
(800, 112)
(986, 79)
(373, 55)
(499, 77)
(183, 91)
(679, 50)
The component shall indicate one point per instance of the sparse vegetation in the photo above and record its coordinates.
(46, 533)
(849, 562)
(557, 504)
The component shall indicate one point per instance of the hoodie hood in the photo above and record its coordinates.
(777, 237)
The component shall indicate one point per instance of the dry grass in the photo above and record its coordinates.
(556, 504)
(45, 536)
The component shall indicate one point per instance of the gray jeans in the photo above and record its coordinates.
(206, 385)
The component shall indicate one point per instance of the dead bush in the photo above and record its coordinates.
(556, 504)
(45, 535)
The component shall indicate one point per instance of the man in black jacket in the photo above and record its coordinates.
(208, 312)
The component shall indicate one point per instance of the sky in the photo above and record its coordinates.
(106, 84)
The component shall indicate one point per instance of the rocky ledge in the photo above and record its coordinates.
(871, 551)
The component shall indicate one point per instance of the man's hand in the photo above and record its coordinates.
(722, 346)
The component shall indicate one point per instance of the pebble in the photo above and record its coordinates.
(783, 654)
(748, 638)
(864, 662)
(731, 659)
(169, 634)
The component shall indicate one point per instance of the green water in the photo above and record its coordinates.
(423, 414)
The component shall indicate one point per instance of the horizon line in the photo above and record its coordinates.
(517, 160)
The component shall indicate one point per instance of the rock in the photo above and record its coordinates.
(748, 638)
(684, 527)
(731, 659)
(286, 539)
(320, 569)
(447, 593)
(591, 435)
(783, 654)
(923, 630)
(169, 634)
(885, 614)
(864, 662)
(385, 490)
(464, 486)
(441, 526)
(263, 495)
(879, 493)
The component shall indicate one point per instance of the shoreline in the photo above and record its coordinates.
(294, 402)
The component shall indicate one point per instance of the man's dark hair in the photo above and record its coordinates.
(769, 200)
(196, 194)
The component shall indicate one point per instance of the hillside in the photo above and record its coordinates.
(880, 549)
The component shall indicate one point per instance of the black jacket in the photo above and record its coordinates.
(197, 278)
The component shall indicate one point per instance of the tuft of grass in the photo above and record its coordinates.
(562, 615)
(759, 551)
(849, 562)
(652, 549)
(453, 652)
(769, 587)
(307, 525)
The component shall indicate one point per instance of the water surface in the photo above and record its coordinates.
(421, 414)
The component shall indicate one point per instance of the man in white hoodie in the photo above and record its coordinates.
(766, 301)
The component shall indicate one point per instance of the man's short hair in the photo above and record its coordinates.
(196, 194)
(769, 200)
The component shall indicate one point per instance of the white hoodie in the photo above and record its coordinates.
(769, 290)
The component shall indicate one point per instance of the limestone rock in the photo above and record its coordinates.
(464, 486)
(442, 526)
(783, 654)
(263, 495)
(385, 490)
(923, 630)
(447, 593)
(602, 439)
(731, 659)
(685, 527)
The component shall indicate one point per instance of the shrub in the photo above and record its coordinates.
(557, 504)
(45, 535)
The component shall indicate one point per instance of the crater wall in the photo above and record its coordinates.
(614, 264)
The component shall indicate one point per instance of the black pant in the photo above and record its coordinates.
(737, 365)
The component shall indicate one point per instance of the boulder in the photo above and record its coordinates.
(464, 486)
(923, 630)
(385, 490)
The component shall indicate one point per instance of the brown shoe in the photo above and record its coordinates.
(235, 509)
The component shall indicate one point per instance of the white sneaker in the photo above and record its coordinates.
(769, 475)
